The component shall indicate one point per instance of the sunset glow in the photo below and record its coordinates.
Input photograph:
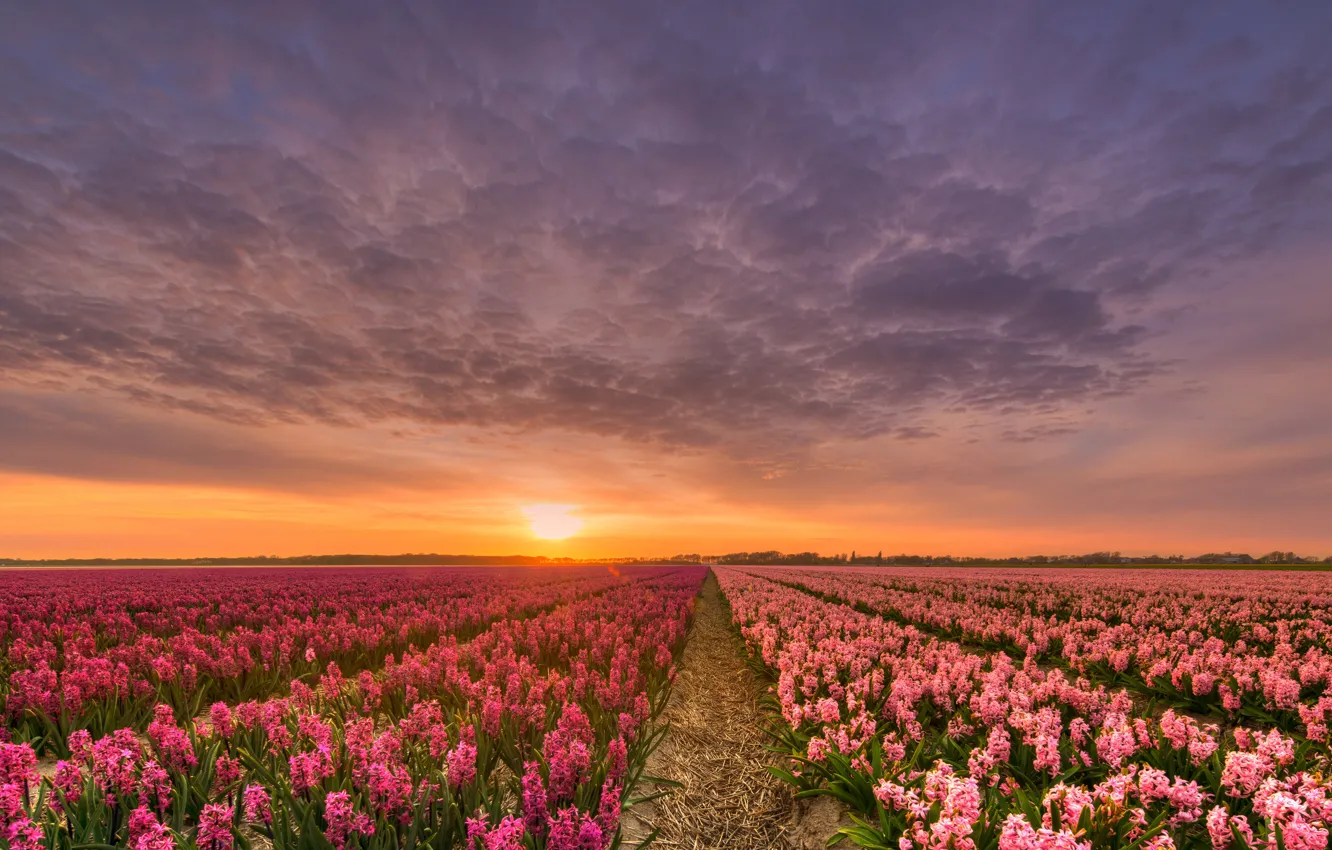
(552, 522)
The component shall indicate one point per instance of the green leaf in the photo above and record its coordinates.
(657, 780)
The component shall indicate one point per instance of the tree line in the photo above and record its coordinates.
(770, 557)
(775, 558)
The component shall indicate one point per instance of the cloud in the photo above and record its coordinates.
(79, 438)
(743, 230)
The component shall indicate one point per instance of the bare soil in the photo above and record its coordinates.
(716, 751)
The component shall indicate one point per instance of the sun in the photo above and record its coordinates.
(552, 522)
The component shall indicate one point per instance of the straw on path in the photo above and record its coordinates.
(715, 750)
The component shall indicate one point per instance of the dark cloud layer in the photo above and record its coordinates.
(729, 225)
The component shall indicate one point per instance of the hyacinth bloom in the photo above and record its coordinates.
(214, 831)
(535, 801)
(258, 805)
(146, 832)
(507, 835)
(16, 825)
(343, 820)
(462, 764)
(18, 764)
(568, 752)
(1018, 834)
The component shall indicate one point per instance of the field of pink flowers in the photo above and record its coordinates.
(331, 708)
(1051, 709)
(496, 709)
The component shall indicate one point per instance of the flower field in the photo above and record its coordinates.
(1051, 708)
(359, 709)
(332, 708)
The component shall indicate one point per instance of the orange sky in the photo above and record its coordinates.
(51, 517)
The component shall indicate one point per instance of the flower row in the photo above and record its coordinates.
(98, 650)
(1257, 650)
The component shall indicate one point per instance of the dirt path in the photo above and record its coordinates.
(715, 749)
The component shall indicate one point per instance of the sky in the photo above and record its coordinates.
(951, 278)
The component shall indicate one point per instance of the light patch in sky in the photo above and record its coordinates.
(552, 521)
